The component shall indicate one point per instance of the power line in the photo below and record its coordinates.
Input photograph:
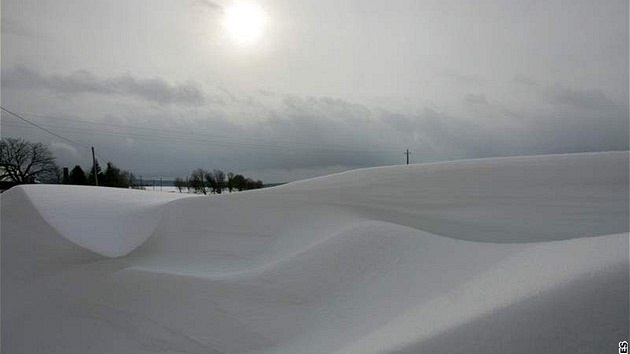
(190, 134)
(42, 128)
(49, 131)
(180, 136)
(228, 144)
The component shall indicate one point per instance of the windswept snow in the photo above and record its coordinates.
(508, 255)
(108, 221)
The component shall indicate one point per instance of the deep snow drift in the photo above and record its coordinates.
(510, 255)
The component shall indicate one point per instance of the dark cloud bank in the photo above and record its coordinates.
(293, 132)
(80, 82)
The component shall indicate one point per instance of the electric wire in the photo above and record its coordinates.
(42, 128)
(229, 144)
(18, 116)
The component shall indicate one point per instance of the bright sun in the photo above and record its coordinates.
(245, 22)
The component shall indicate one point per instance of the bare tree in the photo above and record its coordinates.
(211, 181)
(216, 181)
(230, 181)
(55, 176)
(180, 184)
(25, 162)
(239, 182)
(219, 177)
(197, 182)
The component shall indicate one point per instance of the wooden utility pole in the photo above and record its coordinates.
(407, 153)
(94, 168)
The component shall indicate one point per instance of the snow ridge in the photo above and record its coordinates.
(507, 255)
(108, 221)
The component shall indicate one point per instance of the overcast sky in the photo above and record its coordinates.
(160, 87)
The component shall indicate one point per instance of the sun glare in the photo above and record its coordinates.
(245, 22)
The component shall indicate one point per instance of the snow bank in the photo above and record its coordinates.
(108, 221)
(516, 199)
(503, 255)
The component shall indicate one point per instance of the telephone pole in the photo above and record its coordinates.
(94, 168)
(407, 153)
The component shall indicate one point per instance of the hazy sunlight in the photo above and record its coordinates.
(245, 22)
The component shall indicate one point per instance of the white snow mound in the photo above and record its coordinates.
(109, 221)
(508, 255)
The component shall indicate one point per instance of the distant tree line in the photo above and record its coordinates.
(111, 177)
(215, 181)
(24, 162)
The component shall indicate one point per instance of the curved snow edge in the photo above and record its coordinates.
(537, 269)
(108, 221)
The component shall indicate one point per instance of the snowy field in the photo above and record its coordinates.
(509, 255)
(165, 189)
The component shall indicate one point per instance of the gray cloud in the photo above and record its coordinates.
(209, 5)
(446, 79)
(476, 99)
(463, 79)
(524, 80)
(311, 134)
(437, 135)
(582, 120)
(580, 99)
(322, 132)
(79, 82)
(9, 26)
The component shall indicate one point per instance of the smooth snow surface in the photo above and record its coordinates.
(509, 255)
(109, 221)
